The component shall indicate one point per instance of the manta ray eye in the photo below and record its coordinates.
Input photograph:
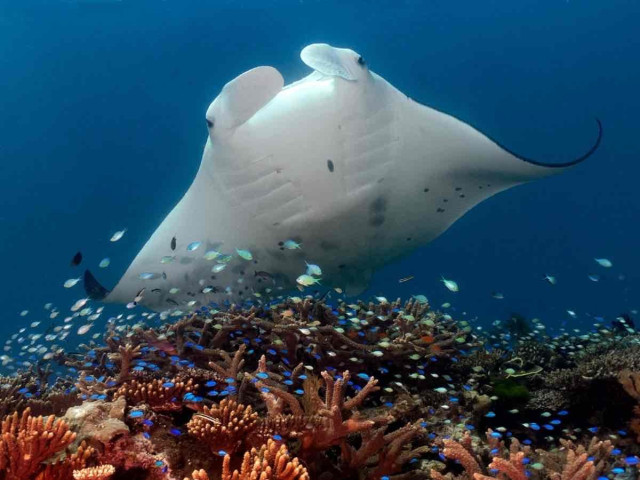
(361, 61)
(209, 123)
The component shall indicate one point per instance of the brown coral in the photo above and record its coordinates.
(28, 441)
(630, 381)
(224, 426)
(333, 409)
(160, 395)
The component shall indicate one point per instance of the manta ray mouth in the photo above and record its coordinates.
(93, 288)
(570, 163)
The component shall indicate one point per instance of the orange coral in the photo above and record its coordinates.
(160, 395)
(198, 475)
(103, 472)
(462, 453)
(224, 426)
(63, 469)
(514, 468)
(28, 441)
(270, 462)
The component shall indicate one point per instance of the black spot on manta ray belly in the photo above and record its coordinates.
(376, 220)
(379, 205)
(377, 209)
(330, 165)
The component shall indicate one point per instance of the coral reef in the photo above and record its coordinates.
(304, 389)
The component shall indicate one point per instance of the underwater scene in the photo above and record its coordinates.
(319, 240)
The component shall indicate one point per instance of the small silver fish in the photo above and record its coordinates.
(118, 235)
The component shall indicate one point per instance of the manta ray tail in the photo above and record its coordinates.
(569, 163)
(92, 287)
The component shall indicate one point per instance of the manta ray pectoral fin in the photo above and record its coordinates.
(92, 287)
(537, 168)
(242, 97)
(331, 61)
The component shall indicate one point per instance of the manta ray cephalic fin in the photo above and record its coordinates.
(243, 96)
(331, 61)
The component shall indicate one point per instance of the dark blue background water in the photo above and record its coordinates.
(102, 126)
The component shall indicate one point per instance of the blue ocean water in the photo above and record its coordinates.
(102, 128)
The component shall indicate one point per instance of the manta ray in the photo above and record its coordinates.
(340, 164)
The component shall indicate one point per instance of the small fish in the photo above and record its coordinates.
(167, 259)
(246, 254)
(421, 299)
(76, 260)
(146, 276)
(211, 255)
(604, 262)
(105, 262)
(594, 277)
(84, 328)
(138, 297)
(71, 282)
(314, 270)
(382, 300)
(118, 235)
(79, 304)
(307, 280)
(497, 295)
(406, 279)
(218, 267)
(450, 284)
(338, 290)
(173, 243)
(174, 290)
(193, 246)
(292, 245)
(551, 279)
(572, 314)
(225, 258)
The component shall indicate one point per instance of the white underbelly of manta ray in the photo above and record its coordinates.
(340, 162)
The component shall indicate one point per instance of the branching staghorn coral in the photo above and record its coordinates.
(28, 441)
(333, 409)
(63, 469)
(571, 462)
(385, 453)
